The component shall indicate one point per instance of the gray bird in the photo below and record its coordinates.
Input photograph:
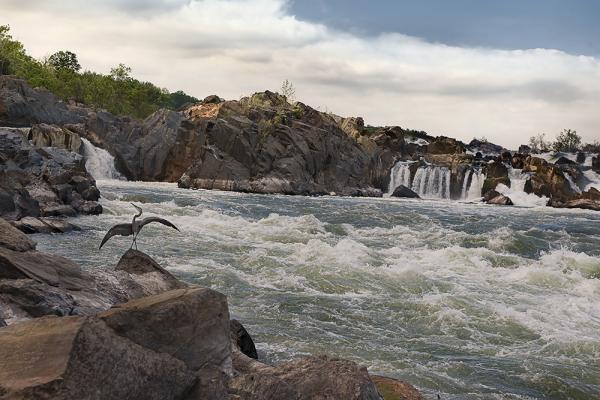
(134, 227)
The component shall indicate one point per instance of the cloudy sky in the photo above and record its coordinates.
(504, 70)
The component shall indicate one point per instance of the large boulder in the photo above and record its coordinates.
(550, 181)
(13, 239)
(445, 145)
(45, 268)
(142, 265)
(394, 389)
(194, 326)
(403, 191)
(302, 379)
(83, 358)
(495, 173)
(500, 200)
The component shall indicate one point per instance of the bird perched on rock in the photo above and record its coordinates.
(134, 227)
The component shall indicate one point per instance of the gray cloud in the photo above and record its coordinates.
(232, 47)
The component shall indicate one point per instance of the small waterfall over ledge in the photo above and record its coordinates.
(429, 182)
(99, 163)
(433, 182)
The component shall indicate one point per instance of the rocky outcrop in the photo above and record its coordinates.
(44, 181)
(495, 173)
(33, 284)
(445, 145)
(44, 225)
(173, 344)
(13, 239)
(550, 181)
(44, 135)
(403, 191)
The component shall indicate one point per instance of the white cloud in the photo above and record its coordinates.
(234, 47)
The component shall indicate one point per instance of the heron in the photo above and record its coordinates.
(134, 227)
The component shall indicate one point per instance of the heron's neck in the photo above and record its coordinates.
(136, 216)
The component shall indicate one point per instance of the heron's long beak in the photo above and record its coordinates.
(139, 209)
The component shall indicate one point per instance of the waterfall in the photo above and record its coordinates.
(432, 182)
(465, 186)
(400, 175)
(473, 190)
(573, 185)
(99, 163)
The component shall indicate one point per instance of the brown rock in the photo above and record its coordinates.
(495, 173)
(394, 389)
(194, 326)
(13, 239)
(81, 358)
(309, 378)
(500, 200)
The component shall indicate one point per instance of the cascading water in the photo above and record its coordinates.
(400, 175)
(474, 189)
(99, 163)
(432, 182)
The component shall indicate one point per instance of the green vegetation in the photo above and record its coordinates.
(117, 92)
(568, 141)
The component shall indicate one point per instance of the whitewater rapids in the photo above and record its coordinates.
(468, 301)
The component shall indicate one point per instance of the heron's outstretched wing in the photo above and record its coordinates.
(148, 220)
(120, 229)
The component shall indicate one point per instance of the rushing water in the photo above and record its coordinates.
(467, 301)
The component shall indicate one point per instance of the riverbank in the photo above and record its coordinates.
(65, 332)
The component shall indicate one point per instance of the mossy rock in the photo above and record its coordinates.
(393, 389)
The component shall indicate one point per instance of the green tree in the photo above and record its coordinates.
(121, 72)
(567, 141)
(64, 60)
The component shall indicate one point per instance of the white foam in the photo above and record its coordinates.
(99, 162)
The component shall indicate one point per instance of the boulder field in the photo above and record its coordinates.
(136, 332)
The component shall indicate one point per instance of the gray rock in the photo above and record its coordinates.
(82, 358)
(44, 135)
(194, 326)
(41, 267)
(13, 239)
(403, 191)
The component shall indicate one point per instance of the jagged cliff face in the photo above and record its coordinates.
(258, 144)
(263, 144)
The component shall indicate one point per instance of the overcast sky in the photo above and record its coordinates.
(504, 70)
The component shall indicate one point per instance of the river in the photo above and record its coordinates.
(468, 301)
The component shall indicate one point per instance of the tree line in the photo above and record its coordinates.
(118, 92)
(567, 141)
